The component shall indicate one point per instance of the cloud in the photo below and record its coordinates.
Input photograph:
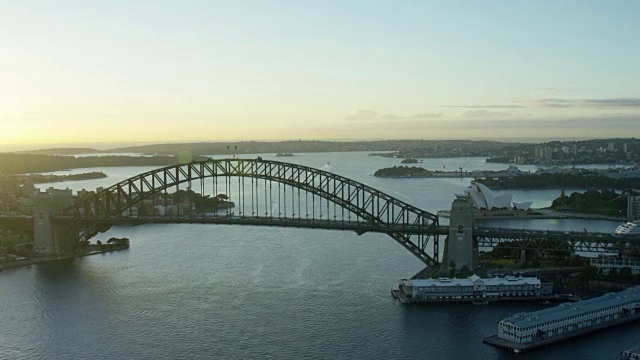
(602, 121)
(624, 123)
(483, 123)
(428, 115)
(374, 116)
(362, 115)
(482, 113)
(559, 89)
(590, 103)
(486, 106)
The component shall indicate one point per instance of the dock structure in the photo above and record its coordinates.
(631, 354)
(526, 331)
(473, 289)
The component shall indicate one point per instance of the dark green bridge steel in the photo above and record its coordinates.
(271, 193)
(260, 193)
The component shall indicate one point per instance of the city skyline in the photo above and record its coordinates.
(75, 72)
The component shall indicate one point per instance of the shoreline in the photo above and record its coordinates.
(545, 213)
(44, 259)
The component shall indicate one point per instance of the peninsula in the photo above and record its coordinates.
(28, 163)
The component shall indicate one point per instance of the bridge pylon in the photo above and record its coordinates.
(460, 249)
(52, 238)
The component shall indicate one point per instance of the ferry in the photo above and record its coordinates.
(628, 228)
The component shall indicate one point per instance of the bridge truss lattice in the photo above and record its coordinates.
(257, 192)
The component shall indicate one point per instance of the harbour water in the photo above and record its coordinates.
(236, 292)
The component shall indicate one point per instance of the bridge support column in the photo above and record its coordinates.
(49, 237)
(460, 249)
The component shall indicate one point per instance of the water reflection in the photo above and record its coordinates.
(204, 291)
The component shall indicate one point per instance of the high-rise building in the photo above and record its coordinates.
(538, 152)
(633, 207)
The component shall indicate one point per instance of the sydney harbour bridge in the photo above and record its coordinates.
(259, 192)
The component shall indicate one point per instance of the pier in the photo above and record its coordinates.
(520, 348)
(525, 331)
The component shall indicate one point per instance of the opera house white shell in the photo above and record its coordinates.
(484, 199)
(522, 205)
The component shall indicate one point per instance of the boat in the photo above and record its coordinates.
(628, 228)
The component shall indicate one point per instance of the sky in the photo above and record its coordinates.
(173, 71)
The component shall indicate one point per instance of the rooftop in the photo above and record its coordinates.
(570, 309)
(473, 280)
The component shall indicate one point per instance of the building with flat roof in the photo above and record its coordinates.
(473, 288)
(561, 320)
(631, 354)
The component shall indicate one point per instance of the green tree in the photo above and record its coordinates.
(465, 271)
(588, 273)
(625, 274)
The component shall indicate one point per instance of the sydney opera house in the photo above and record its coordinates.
(484, 199)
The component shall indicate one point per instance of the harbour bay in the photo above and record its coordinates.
(199, 291)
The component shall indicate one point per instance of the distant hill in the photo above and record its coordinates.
(30, 163)
(60, 151)
(428, 147)
(261, 147)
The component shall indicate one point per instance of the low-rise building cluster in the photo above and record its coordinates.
(596, 151)
(605, 264)
(15, 196)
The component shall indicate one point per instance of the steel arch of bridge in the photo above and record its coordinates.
(375, 211)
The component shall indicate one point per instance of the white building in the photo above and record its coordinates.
(522, 205)
(525, 327)
(631, 354)
(484, 199)
(473, 288)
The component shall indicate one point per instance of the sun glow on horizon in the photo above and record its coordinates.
(112, 72)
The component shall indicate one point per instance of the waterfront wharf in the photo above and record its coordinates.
(631, 354)
(44, 259)
(401, 296)
(522, 347)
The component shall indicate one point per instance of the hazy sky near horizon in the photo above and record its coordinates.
(106, 71)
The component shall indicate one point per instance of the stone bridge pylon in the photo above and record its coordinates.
(52, 238)
(461, 250)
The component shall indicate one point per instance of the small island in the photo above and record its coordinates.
(415, 171)
(286, 154)
(410, 161)
(40, 178)
(403, 172)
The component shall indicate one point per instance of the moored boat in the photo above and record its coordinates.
(628, 228)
